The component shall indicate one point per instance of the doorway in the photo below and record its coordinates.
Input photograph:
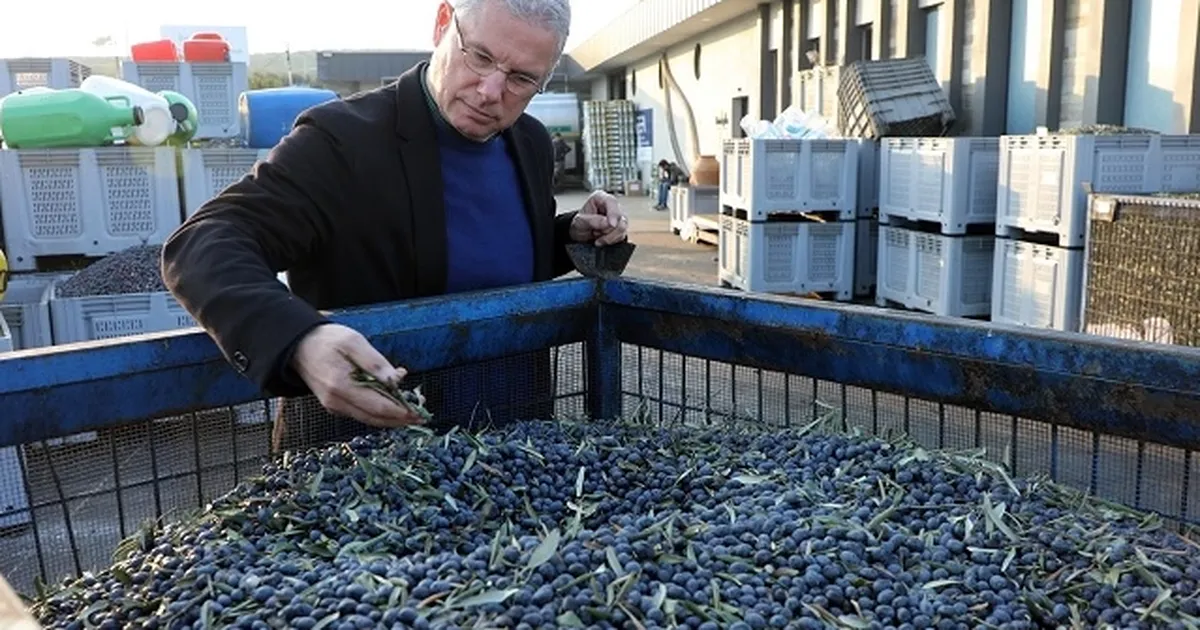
(738, 111)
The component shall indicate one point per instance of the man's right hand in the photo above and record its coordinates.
(326, 358)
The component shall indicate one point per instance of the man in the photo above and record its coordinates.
(561, 149)
(438, 183)
(669, 174)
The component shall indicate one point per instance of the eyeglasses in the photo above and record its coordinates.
(481, 63)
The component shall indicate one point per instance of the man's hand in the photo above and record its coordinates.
(326, 358)
(600, 220)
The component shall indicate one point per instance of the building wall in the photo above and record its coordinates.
(1008, 66)
(728, 69)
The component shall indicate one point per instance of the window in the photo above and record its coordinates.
(865, 35)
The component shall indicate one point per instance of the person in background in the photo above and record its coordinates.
(561, 150)
(438, 183)
(669, 174)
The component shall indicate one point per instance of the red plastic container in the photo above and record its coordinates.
(206, 48)
(159, 51)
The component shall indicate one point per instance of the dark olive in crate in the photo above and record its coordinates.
(601, 525)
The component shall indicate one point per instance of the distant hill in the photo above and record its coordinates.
(303, 63)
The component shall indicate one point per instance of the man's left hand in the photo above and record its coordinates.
(600, 220)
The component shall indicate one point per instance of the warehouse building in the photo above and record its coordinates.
(1006, 66)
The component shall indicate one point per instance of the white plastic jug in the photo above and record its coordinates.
(157, 124)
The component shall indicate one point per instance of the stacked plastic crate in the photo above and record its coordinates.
(213, 87)
(937, 210)
(788, 210)
(30, 72)
(1042, 212)
(610, 144)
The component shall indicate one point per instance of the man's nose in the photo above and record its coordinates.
(492, 86)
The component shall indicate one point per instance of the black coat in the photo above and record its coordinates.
(350, 204)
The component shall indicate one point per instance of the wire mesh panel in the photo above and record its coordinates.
(86, 498)
(674, 388)
(1143, 269)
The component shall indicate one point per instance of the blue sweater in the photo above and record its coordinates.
(489, 241)
(489, 245)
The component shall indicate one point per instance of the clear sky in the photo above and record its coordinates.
(42, 28)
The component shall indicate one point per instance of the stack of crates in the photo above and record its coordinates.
(937, 209)
(30, 72)
(1041, 218)
(788, 210)
(64, 208)
(213, 87)
(610, 144)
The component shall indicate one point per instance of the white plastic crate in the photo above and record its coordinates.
(1041, 177)
(206, 172)
(212, 87)
(768, 176)
(949, 181)
(30, 72)
(787, 257)
(85, 202)
(868, 177)
(109, 316)
(941, 274)
(14, 503)
(687, 201)
(1037, 285)
(26, 309)
(866, 256)
(816, 91)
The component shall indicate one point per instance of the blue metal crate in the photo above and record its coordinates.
(1115, 418)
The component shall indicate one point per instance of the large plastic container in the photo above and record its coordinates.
(157, 122)
(70, 118)
(28, 72)
(892, 97)
(267, 115)
(95, 317)
(767, 176)
(948, 181)
(26, 309)
(206, 48)
(86, 202)
(1037, 285)
(1041, 182)
(157, 51)
(207, 172)
(212, 87)
(791, 257)
(950, 276)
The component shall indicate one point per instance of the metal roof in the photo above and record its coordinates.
(651, 26)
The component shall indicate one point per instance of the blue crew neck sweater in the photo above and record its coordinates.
(489, 245)
(489, 241)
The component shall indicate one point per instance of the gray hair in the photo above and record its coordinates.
(554, 15)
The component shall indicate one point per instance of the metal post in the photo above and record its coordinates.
(604, 394)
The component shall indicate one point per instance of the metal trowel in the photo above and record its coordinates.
(601, 262)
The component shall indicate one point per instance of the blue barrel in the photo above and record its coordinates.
(268, 114)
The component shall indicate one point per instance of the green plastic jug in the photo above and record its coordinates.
(69, 118)
(185, 115)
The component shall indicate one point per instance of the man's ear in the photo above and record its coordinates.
(445, 14)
